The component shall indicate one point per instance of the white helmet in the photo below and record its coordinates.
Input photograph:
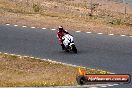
(60, 28)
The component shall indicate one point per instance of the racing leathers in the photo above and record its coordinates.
(60, 34)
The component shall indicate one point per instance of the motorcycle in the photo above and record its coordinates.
(69, 43)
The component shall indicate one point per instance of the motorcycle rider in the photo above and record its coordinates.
(60, 34)
(67, 39)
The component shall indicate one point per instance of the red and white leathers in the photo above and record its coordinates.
(60, 34)
(67, 39)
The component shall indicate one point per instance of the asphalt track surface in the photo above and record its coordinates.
(110, 53)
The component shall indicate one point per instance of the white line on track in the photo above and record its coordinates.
(43, 28)
(25, 56)
(32, 27)
(110, 85)
(7, 24)
(115, 84)
(44, 59)
(32, 57)
(15, 25)
(74, 65)
(110, 34)
(6, 53)
(18, 55)
(112, 73)
(66, 30)
(37, 58)
(103, 86)
(51, 61)
(123, 35)
(100, 33)
(78, 31)
(53, 29)
(88, 32)
(12, 54)
(24, 26)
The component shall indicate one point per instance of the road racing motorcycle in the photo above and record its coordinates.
(69, 43)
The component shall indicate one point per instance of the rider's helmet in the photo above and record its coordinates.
(60, 28)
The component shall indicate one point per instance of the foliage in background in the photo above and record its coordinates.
(36, 7)
(117, 21)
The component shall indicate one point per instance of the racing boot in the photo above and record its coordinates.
(67, 48)
(63, 46)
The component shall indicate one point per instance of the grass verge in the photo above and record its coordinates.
(26, 72)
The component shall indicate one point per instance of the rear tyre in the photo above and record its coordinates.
(74, 49)
(66, 49)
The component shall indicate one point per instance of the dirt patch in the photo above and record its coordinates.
(73, 15)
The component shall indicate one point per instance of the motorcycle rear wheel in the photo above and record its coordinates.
(74, 49)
